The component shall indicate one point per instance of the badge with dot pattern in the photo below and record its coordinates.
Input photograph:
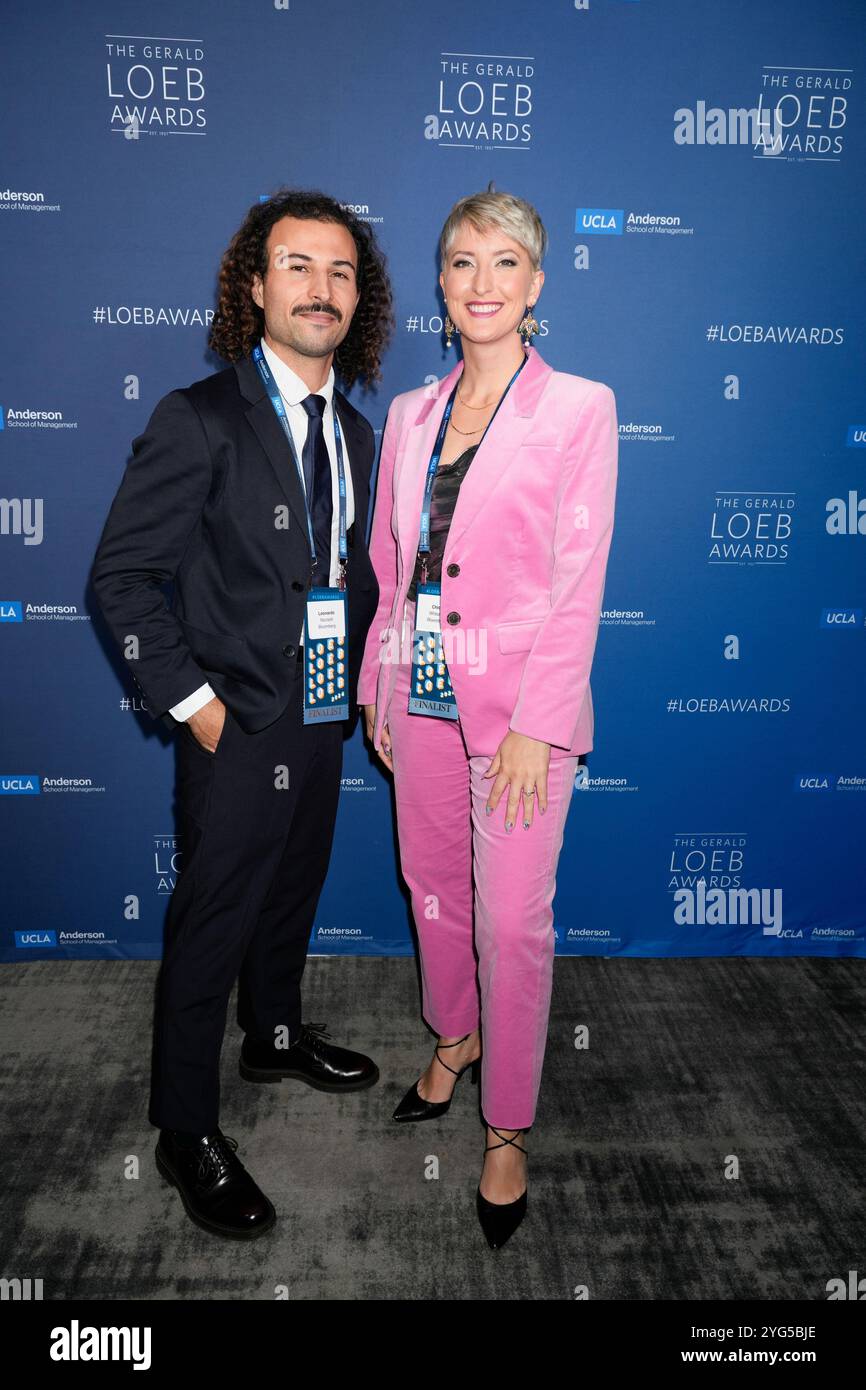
(430, 689)
(326, 687)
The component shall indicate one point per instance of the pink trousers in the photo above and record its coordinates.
(487, 954)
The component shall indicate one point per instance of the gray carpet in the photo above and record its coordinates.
(689, 1061)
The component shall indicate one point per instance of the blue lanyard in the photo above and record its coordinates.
(279, 406)
(424, 542)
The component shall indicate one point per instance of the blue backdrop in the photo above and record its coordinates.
(706, 266)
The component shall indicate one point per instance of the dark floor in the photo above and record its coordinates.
(690, 1062)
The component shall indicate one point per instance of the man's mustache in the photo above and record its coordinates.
(319, 309)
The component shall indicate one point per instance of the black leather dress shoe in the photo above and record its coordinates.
(215, 1187)
(310, 1059)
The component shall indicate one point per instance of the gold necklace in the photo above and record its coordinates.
(468, 433)
(473, 407)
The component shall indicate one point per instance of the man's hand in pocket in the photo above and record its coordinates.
(207, 724)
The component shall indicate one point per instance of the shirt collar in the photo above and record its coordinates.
(290, 386)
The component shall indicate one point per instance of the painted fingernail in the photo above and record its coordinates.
(526, 825)
(489, 810)
(509, 825)
(542, 809)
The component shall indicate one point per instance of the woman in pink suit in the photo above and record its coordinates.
(494, 506)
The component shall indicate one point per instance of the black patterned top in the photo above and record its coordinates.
(443, 500)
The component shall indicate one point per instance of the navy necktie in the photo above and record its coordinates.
(316, 464)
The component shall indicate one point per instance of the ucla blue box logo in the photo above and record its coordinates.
(599, 221)
(815, 782)
(856, 437)
(19, 784)
(10, 611)
(29, 939)
(847, 618)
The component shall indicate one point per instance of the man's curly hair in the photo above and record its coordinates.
(238, 323)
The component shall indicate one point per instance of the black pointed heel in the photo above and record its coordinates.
(414, 1107)
(499, 1220)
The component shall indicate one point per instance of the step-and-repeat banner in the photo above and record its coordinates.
(699, 168)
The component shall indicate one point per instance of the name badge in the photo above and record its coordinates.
(430, 689)
(326, 689)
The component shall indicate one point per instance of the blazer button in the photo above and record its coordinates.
(288, 650)
(453, 618)
(297, 585)
(453, 571)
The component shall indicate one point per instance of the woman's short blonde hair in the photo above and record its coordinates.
(514, 216)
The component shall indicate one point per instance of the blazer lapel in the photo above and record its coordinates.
(496, 454)
(415, 455)
(270, 434)
(355, 439)
(500, 446)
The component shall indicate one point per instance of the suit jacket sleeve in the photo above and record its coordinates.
(383, 557)
(152, 518)
(556, 673)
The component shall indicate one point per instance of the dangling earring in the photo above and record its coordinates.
(450, 330)
(527, 326)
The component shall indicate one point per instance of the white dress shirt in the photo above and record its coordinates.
(293, 390)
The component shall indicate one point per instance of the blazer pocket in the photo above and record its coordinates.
(217, 651)
(517, 637)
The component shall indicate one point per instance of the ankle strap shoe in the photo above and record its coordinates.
(499, 1220)
(413, 1106)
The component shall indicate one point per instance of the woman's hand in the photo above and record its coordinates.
(520, 764)
(384, 753)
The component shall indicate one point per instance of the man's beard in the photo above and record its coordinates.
(305, 342)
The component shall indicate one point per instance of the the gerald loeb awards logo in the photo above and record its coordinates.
(155, 86)
(483, 101)
(706, 881)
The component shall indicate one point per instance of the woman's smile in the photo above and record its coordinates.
(482, 309)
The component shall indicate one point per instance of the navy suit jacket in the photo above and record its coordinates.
(211, 501)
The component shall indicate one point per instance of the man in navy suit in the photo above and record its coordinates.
(245, 491)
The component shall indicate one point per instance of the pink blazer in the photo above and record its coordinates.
(524, 566)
